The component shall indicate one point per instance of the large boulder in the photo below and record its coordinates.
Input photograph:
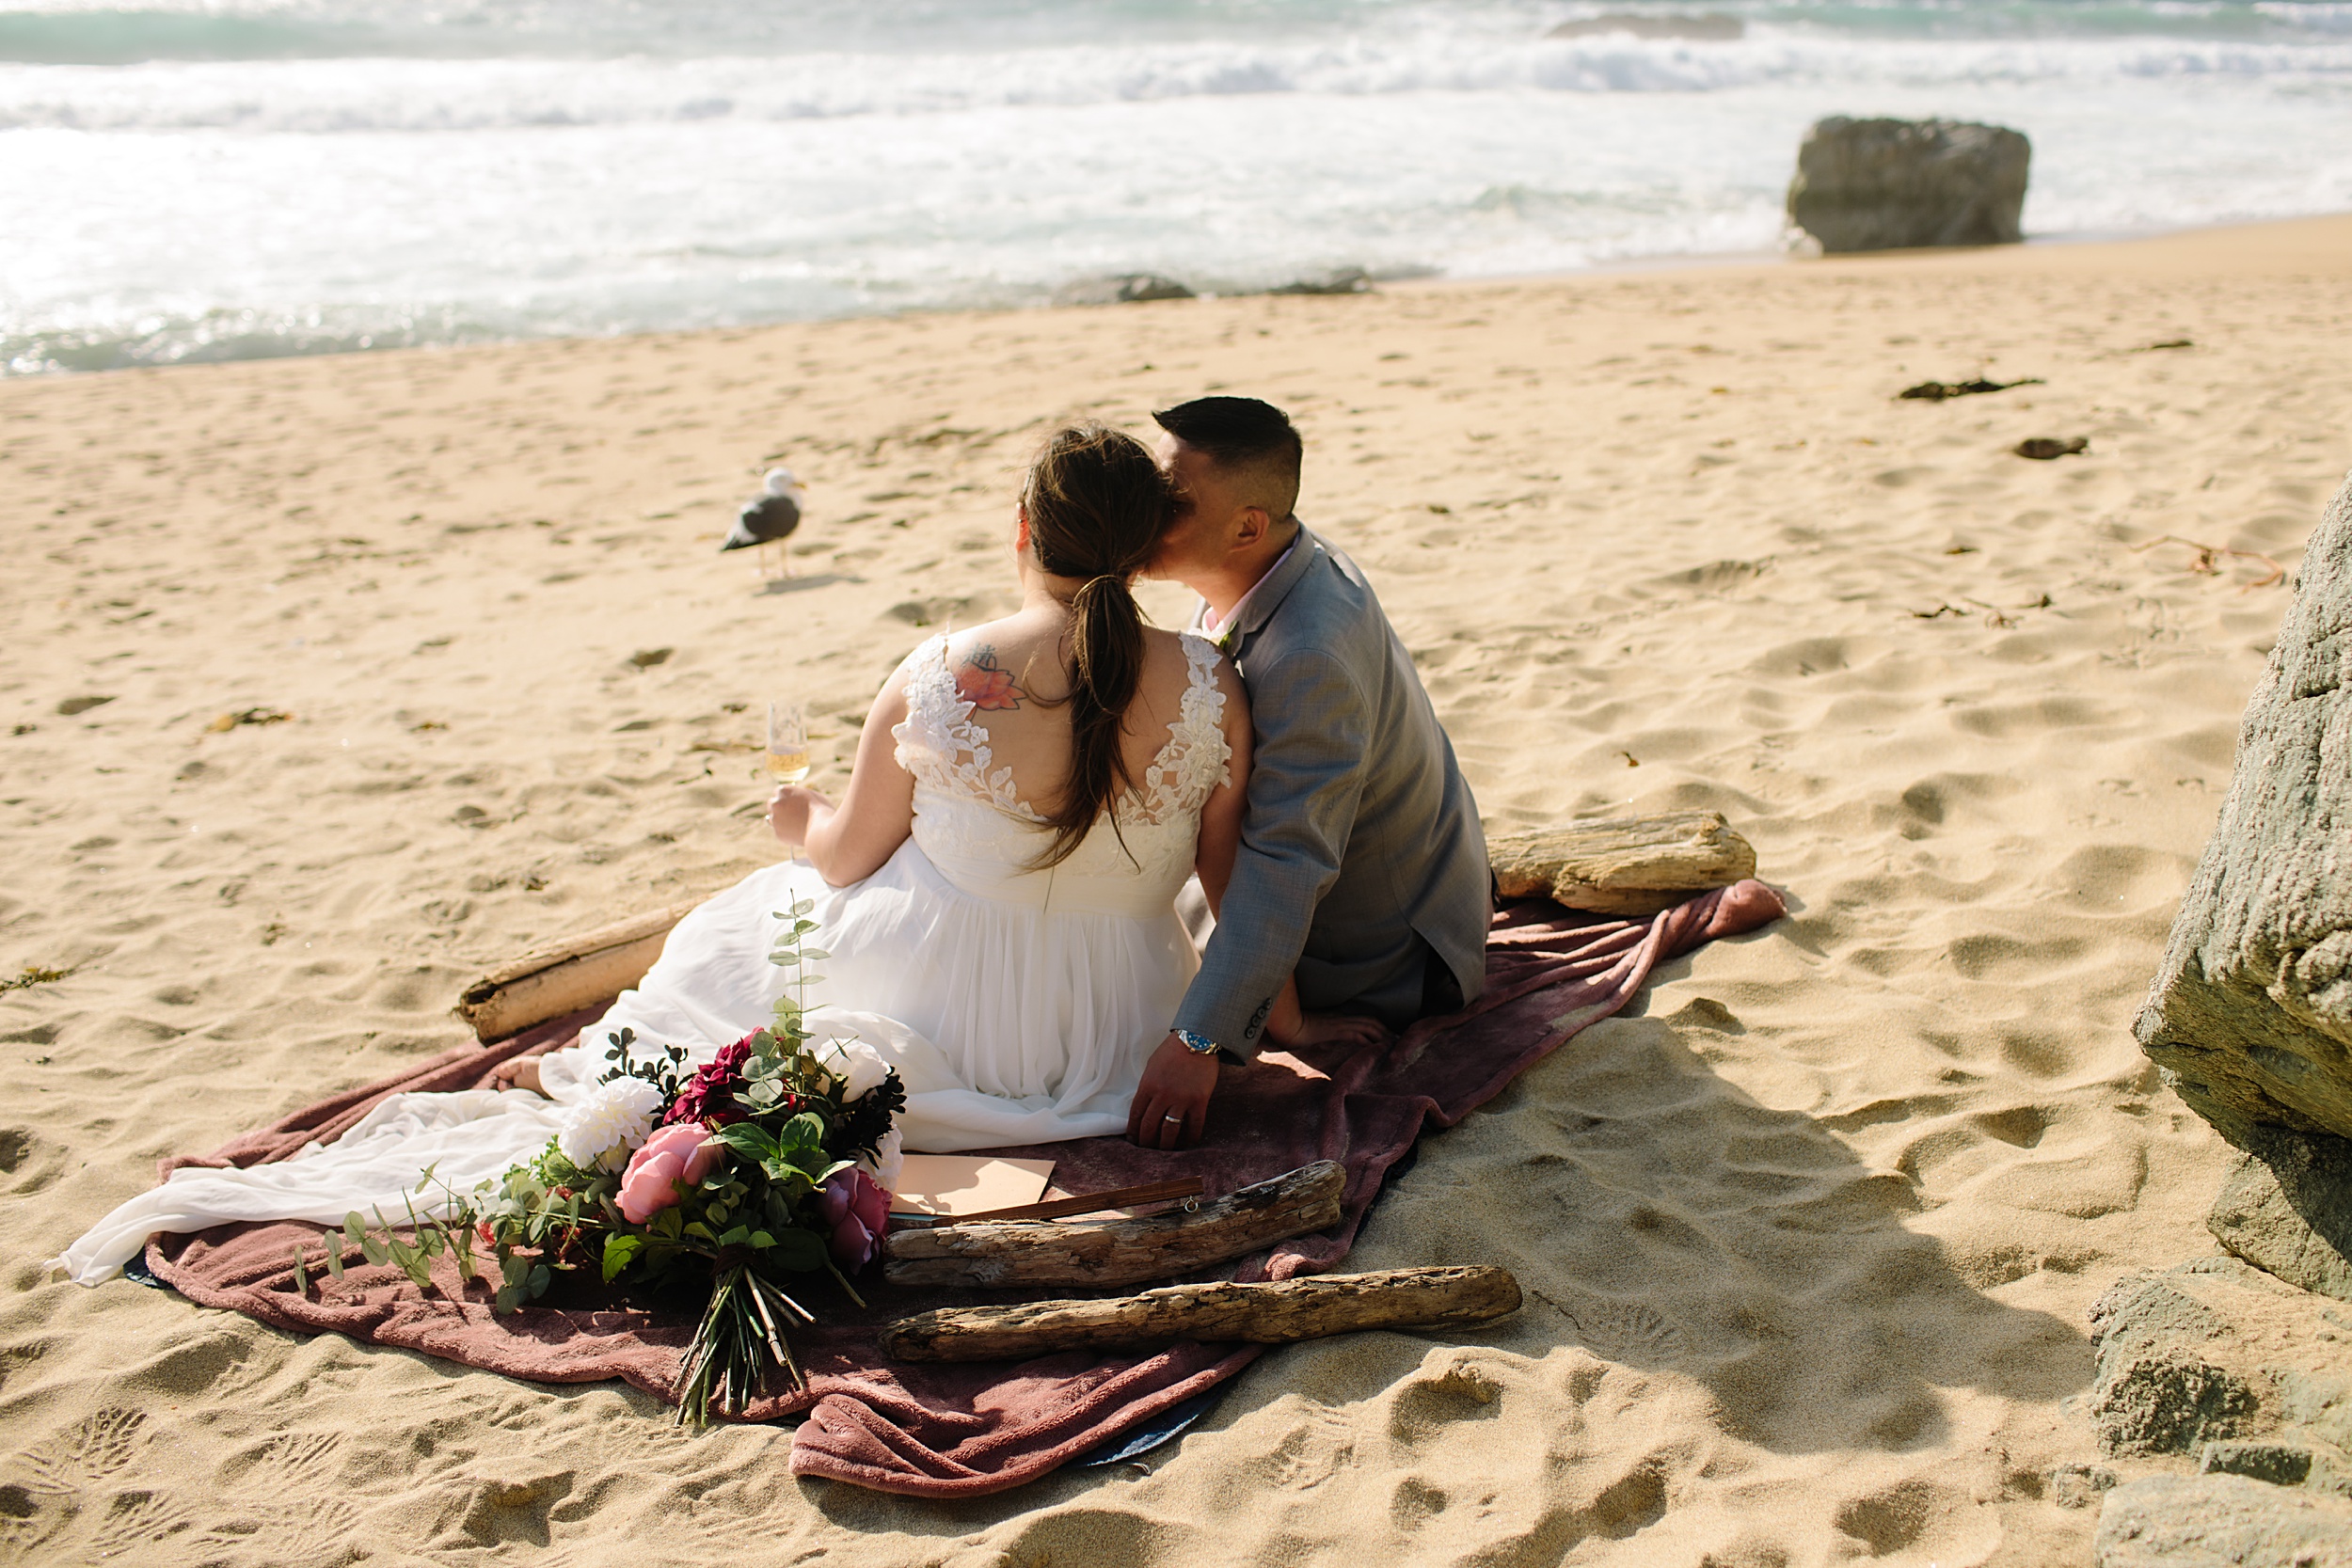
(2250, 1014)
(1893, 184)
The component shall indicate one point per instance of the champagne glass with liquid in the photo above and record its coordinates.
(787, 742)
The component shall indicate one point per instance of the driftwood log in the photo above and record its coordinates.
(567, 975)
(1630, 866)
(1265, 1314)
(1118, 1252)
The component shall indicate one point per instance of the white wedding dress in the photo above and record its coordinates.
(1017, 1005)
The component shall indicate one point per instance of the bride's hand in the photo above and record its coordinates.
(520, 1073)
(789, 809)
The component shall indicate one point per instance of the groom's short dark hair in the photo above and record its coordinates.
(1243, 436)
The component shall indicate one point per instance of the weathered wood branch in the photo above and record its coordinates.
(567, 975)
(1632, 865)
(1118, 1252)
(1265, 1314)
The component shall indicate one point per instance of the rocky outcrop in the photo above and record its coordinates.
(2250, 1014)
(2287, 1210)
(2215, 1357)
(1889, 184)
(2220, 1521)
(1125, 287)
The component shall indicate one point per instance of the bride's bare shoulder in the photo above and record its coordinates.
(1003, 665)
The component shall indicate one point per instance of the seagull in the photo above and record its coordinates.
(770, 517)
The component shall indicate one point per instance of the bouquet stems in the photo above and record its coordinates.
(734, 1347)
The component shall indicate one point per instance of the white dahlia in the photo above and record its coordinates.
(857, 1066)
(889, 1158)
(604, 1130)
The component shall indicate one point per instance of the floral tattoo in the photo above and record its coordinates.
(986, 687)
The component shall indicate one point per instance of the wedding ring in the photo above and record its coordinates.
(1171, 1116)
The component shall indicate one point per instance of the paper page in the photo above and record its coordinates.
(967, 1184)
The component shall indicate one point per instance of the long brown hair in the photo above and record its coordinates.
(1097, 506)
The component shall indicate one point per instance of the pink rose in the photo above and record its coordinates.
(858, 1211)
(675, 1156)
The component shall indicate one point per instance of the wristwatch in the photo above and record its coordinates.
(1199, 1045)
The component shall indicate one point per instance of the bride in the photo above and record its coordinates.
(996, 891)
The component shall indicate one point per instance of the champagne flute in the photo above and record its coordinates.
(787, 742)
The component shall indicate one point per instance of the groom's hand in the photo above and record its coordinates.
(1171, 1104)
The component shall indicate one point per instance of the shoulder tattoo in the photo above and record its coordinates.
(985, 684)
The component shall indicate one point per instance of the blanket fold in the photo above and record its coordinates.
(950, 1430)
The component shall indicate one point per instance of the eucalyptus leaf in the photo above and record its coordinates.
(302, 1275)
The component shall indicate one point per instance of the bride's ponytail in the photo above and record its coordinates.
(1097, 506)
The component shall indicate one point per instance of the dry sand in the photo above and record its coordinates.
(1808, 1240)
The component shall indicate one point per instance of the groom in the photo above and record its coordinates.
(1362, 868)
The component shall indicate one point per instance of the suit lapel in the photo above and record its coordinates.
(1272, 590)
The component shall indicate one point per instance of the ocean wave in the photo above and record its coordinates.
(81, 32)
(409, 95)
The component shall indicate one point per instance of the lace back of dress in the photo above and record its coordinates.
(949, 753)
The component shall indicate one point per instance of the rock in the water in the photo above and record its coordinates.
(1709, 27)
(1630, 865)
(1125, 287)
(1339, 280)
(2251, 1010)
(2287, 1209)
(2212, 1351)
(2220, 1522)
(1892, 184)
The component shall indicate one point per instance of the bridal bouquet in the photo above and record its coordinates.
(751, 1170)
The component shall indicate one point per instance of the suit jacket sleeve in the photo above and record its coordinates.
(1313, 726)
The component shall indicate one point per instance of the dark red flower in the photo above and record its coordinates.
(708, 1097)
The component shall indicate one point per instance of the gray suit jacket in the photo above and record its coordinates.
(1361, 833)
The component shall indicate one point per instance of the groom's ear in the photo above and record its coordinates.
(1250, 525)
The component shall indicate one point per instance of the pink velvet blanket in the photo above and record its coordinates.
(961, 1430)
